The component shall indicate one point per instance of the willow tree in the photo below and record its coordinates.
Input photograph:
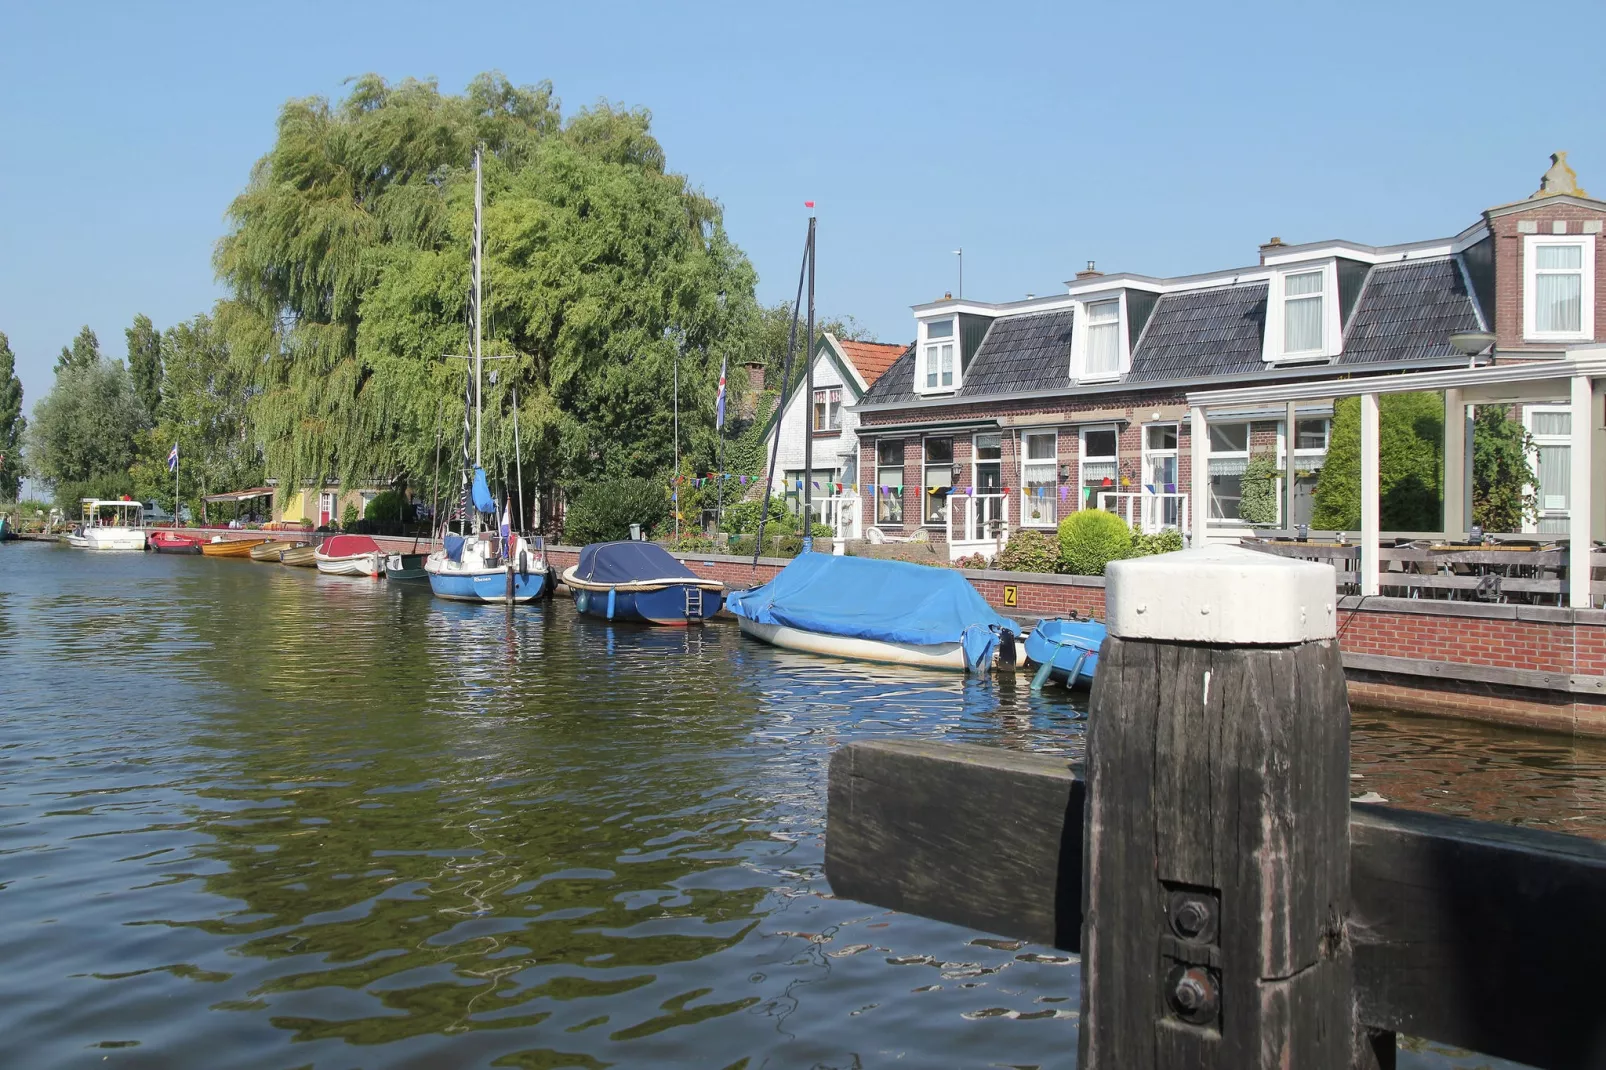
(12, 423)
(348, 261)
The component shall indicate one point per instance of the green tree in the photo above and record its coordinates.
(12, 423)
(85, 433)
(84, 351)
(204, 410)
(1503, 479)
(1410, 465)
(145, 361)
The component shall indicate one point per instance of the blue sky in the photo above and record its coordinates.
(1161, 138)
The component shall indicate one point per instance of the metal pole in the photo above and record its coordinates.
(960, 253)
(176, 463)
(675, 501)
(478, 311)
(780, 412)
(808, 406)
(518, 457)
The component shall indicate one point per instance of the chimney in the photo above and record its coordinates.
(755, 376)
(1089, 272)
(949, 296)
(1275, 243)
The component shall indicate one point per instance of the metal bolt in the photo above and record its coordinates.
(1192, 917)
(1190, 993)
(1194, 996)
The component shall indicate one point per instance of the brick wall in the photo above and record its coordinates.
(1508, 265)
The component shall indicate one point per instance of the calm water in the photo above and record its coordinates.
(251, 816)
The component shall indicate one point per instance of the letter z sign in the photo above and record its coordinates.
(1009, 594)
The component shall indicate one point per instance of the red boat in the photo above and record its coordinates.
(175, 542)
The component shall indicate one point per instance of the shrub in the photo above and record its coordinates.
(973, 561)
(389, 508)
(348, 517)
(741, 518)
(1410, 451)
(1091, 539)
(1161, 542)
(1029, 551)
(603, 512)
(1258, 504)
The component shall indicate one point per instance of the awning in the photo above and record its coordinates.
(240, 495)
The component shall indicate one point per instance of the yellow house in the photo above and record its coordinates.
(321, 505)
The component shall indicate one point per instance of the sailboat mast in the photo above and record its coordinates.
(479, 313)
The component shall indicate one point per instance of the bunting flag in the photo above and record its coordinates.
(1149, 487)
(744, 481)
(1170, 488)
(1064, 491)
(719, 399)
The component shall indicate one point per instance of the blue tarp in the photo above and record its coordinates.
(626, 562)
(482, 493)
(865, 598)
(454, 548)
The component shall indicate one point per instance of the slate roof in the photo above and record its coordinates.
(872, 359)
(1407, 311)
(1202, 332)
(1021, 353)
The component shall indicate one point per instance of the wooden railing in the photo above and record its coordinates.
(1496, 572)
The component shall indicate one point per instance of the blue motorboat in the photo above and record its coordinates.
(872, 610)
(640, 581)
(1066, 648)
(482, 569)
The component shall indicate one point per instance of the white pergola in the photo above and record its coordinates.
(1578, 379)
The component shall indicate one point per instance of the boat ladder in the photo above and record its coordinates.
(694, 603)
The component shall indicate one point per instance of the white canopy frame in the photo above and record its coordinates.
(1577, 380)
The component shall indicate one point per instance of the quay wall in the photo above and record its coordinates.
(1531, 666)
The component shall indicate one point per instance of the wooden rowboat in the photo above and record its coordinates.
(271, 551)
(303, 556)
(221, 547)
(350, 555)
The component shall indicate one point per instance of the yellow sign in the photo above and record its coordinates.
(1009, 594)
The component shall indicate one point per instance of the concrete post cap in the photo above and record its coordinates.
(1221, 594)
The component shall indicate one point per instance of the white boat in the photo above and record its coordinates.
(477, 570)
(350, 555)
(921, 656)
(109, 525)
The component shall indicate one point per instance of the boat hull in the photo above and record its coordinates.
(236, 548)
(946, 656)
(370, 564)
(271, 552)
(301, 557)
(167, 542)
(487, 585)
(405, 567)
(109, 539)
(658, 605)
(1067, 646)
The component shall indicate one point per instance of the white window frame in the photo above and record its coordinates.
(1228, 455)
(1276, 319)
(1586, 317)
(925, 482)
(929, 349)
(1079, 326)
(894, 492)
(1081, 462)
(829, 426)
(1053, 463)
(1530, 524)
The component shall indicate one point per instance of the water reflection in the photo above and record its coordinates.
(250, 815)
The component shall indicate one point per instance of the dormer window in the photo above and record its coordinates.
(937, 358)
(1302, 313)
(1099, 345)
(1302, 316)
(1103, 338)
(1559, 288)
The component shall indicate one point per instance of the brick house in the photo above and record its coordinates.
(1014, 414)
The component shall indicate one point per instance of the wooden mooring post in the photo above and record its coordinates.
(1232, 907)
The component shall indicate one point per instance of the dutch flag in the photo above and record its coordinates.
(172, 459)
(719, 401)
(507, 528)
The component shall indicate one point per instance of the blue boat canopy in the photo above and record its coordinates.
(629, 562)
(482, 493)
(865, 598)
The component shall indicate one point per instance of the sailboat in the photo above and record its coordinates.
(483, 564)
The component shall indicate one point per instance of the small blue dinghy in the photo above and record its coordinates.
(1066, 649)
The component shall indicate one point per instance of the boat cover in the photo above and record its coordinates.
(348, 546)
(629, 562)
(866, 598)
(482, 493)
(454, 548)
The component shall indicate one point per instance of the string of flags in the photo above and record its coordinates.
(887, 488)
